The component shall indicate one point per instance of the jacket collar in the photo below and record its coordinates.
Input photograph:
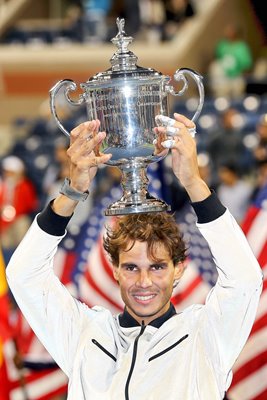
(127, 321)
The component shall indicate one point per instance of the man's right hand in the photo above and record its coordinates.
(84, 155)
(84, 158)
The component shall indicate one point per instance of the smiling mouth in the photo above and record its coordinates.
(144, 298)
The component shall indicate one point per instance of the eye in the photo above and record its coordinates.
(157, 267)
(130, 267)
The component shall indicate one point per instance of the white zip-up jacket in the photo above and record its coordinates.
(185, 356)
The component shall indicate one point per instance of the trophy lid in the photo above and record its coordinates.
(123, 59)
(123, 62)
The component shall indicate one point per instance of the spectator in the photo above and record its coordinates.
(72, 23)
(177, 11)
(152, 19)
(55, 169)
(95, 20)
(18, 200)
(227, 143)
(260, 178)
(233, 190)
(260, 152)
(232, 60)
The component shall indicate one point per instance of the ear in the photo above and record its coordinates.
(179, 270)
(115, 273)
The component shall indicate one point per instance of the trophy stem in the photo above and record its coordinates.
(136, 198)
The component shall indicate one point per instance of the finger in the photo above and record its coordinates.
(171, 124)
(81, 130)
(172, 131)
(96, 161)
(79, 150)
(89, 130)
(158, 148)
(179, 128)
(161, 136)
(186, 121)
(163, 120)
(168, 144)
(92, 141)
(98, 145)
(86, 163)
(192, 131)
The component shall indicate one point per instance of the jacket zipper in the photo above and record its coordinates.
(133, 361)
(104, 350)
(168, 348)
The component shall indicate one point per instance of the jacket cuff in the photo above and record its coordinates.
(209, 209)
(52, 223)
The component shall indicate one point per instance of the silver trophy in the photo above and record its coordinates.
(126, 98)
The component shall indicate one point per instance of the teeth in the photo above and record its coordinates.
(143, 298)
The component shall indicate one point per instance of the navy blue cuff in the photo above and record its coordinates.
(209, 209)
(52, 223)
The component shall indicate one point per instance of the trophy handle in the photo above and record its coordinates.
(180, 76)
(70, 85)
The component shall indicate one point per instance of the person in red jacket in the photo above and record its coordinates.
(18, 199)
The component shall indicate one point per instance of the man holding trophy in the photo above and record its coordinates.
(148, 351)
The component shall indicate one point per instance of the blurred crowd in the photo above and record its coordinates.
(92, 21)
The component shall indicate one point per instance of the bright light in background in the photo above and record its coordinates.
(41, 161)
(239, 121)
(221, 103)
(251, 103)
(191, 104)
(251, 141)
(207, 121)
(32, 143)
(203, 159)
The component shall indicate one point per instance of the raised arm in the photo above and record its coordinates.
(54, 315)
(231, 305)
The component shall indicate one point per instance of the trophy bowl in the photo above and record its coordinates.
(126, 99)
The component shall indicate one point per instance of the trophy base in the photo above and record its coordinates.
(124, 207)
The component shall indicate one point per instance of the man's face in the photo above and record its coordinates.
(146, 285)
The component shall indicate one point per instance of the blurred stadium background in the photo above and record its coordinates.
(44, 41)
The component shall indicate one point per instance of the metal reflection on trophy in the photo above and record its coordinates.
(126, 99)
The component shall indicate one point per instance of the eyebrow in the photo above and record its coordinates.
(162, 263)
(128, 264)
(132, 264)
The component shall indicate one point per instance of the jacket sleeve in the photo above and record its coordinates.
(232, 303)
(54, 315)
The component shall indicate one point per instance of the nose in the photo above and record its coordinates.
(144, 279)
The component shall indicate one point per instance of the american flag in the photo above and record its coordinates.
(250, 370)
(201, 272)
(4, 330)
(37, 377)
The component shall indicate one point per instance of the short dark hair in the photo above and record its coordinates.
(153, 228)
